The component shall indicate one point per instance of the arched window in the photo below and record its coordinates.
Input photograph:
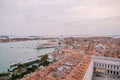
(117, 73)
(114, 73)
(108, 71)
(111, 72)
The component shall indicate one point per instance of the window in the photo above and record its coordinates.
(105, 65)
(111, 72)
(102, 65)
(114, 66)
(114, 73)
(117, 67)
(117, 73)
(108, 65)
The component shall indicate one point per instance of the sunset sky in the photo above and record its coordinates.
(55, 17)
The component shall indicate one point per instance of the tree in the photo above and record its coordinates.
(44, 58)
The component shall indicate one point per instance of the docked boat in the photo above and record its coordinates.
(47, 46)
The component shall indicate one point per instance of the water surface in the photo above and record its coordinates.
(14, 52)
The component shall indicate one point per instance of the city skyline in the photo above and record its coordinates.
(56, 17)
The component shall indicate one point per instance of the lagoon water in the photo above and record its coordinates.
(14, 52)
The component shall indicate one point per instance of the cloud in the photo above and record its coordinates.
(97, 9)
(59, 16)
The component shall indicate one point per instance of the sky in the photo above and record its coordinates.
(59, 17)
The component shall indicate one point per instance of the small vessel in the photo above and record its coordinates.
(11, 47)
(47, 46)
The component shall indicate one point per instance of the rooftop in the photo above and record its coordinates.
(72, 67)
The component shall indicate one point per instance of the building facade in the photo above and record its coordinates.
(107, 65)
(104, 65)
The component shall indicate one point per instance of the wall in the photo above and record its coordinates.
(89, 73)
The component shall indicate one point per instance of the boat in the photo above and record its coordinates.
(47, 46)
